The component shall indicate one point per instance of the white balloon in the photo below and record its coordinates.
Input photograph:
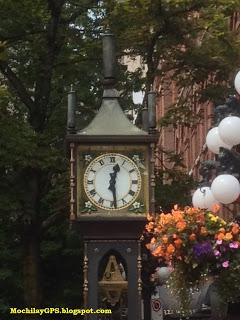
(225, 188)
(237, 82)
(229, 130)
(214, 142)
(204, 199)
(209, 200)
(198, 199)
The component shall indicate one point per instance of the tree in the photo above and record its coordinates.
(46, 47)
(188, 40)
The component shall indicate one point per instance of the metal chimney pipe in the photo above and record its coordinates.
(151, 102)
(145, 117)
(72, 102)
(109, 58)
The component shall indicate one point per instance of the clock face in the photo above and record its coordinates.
(112, 181)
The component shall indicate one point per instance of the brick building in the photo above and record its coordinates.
(189, 141)
(186, 140)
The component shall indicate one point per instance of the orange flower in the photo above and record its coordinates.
(153, 240)
(215, 208)
(203, 231)
(158, 251)
(192, 237)
(177, 216)
(150, 217)
(174, 236)
(181, 225)
(220, 236)
(235, 228)
(178, 243)
(200, 218)
(149, 226)
(165, 218)
(158, 229)
(228, 236)
(165, 238)
(170, 249)
(222, 230)
(191, 211)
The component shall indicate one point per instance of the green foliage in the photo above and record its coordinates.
(227, 283)
(189, 42)
(173, 186)
(62, 267)
(46, 48)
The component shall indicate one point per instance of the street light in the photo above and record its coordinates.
(214, 141)
(229, 130)
(225, 187)
(204, 198)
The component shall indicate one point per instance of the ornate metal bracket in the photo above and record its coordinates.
(207, 170)
(228, 161)
(232, 106)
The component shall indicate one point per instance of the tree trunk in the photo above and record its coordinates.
(31, 270)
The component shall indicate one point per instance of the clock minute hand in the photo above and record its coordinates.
(112, 183)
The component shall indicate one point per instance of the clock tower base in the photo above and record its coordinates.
(112, 268)
(115, 266)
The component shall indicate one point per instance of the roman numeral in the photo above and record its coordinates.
(101, 162)
(123, 162)
(112, 159)
(94, 171)
(132, 170)
(111, 204)
(90, 181)
(134, 182)
(101, 200)
(123, 201)
(131, 192)
(93, 192)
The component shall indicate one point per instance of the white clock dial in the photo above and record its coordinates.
(112, 181)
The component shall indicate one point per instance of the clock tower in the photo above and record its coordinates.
(112, 190)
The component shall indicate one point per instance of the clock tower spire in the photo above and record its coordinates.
(112, 190)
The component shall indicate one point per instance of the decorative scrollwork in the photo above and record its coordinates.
(88, 208)
(137, 207)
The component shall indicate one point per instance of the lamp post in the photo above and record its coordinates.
(220, 183)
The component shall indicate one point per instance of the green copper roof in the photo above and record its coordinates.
(110, 119)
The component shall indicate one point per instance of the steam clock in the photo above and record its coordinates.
(112, 190)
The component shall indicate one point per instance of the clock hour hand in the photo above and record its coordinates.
(112, 183)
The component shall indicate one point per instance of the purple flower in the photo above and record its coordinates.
(217, 253)
(225, 264)
(219, 242)
(203, 249)
(233, 245)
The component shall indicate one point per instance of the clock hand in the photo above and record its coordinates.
(112, 183)
(114, 198)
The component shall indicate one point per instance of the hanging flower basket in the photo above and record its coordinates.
(197, 244)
